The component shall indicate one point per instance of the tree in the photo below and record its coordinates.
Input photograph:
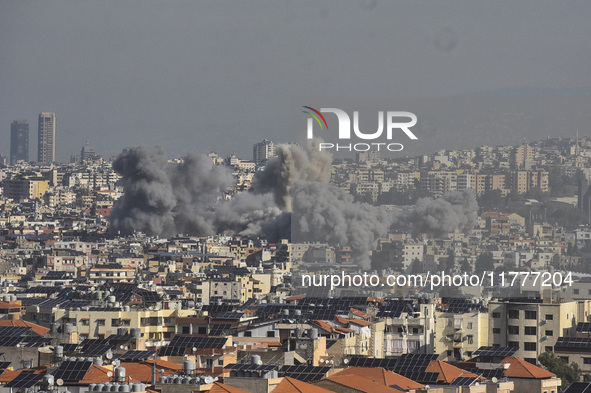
(485, 262)
(417, 267)
(465, 266)
(567, 373)
(491, 201)
(449, 263)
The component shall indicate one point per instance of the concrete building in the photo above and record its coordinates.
(262, 151)
(47, 137)
(19, 141)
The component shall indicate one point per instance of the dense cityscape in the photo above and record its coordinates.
(187, 274)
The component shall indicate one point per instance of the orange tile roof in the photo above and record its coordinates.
(361, 322)
(519, 368)
(96, 374)
(221, 388)
(447, 372)
(382, 376)
(361, 384)
(40, 330)
(359, 313)
(160, 363)
(142, 372)
(290, 385)
(341, 320)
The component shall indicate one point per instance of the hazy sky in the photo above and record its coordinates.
(194, 76)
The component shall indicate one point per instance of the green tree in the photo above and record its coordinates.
(485, 262)
(567, 373)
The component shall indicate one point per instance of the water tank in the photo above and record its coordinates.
(124, 388)
(191, 304)
(12, 298)
(255, 359)
(298, 313)
(91, 387)
(126, 308)
(48, 380)
(120, 374)
(189, 367)
(177, 380)
(174, 379)
(106, 387)
(58, 351)
(99, 387)
(111, 299)
(98, 361)
(142, 387)
(114, 388)
(68, 328)
(163, 379)
(121, 331)
(285, 312)
(135, 333)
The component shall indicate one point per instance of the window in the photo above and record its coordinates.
(548, 349)
(201, 330)
(514, 314)
(248, 334)
(565, 358)
(549, 333)
(497, 330)
(586, 360)
(469, 325)
(415, 330)
(166, 334)
(530, 315)
(576, 291)
(449, 353)
(100, 322)
(85, 322)
(496, 315)
(530, 360)
(513, 329)
(220, 362)
(549, 317)
(513, 344)
(530, 331)
(186, 330)
(271, 333)
(529, 346)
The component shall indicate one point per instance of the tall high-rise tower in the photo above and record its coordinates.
(262, 151)
(46, 146)
(19, 141)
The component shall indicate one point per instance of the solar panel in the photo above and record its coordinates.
(10, 341)
(179, 345)
(230, 315)
(495, 351)
(4, 365)
(219, 329)
(579, 344)
(26, 379)
(72, 371)
(304, 372)
(584, 327)
(578, 387)
(251, 367)
(14, 331)
(464, 381)
(68, 348)
(135, 355)
(95, 350)
(36, 342)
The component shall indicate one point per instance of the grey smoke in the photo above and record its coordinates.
(164, 200)
(293, 163)
(188, 198)
(324, 213)
(437, 216)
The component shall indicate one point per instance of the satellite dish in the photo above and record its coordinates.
(109, 374)
(109, 355)
(122, 346)
(346, 361)
(194, 349)
(321, 360)
(208, 380)
(337, 363)
(494, 380)
(59, 382)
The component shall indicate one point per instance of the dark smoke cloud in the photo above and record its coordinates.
(325, 213)
(453, 211)
(188, 198)
(149, 201)
(292, 164)
(165, 200)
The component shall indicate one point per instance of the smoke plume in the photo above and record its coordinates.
(292, 164)
(187, 198)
